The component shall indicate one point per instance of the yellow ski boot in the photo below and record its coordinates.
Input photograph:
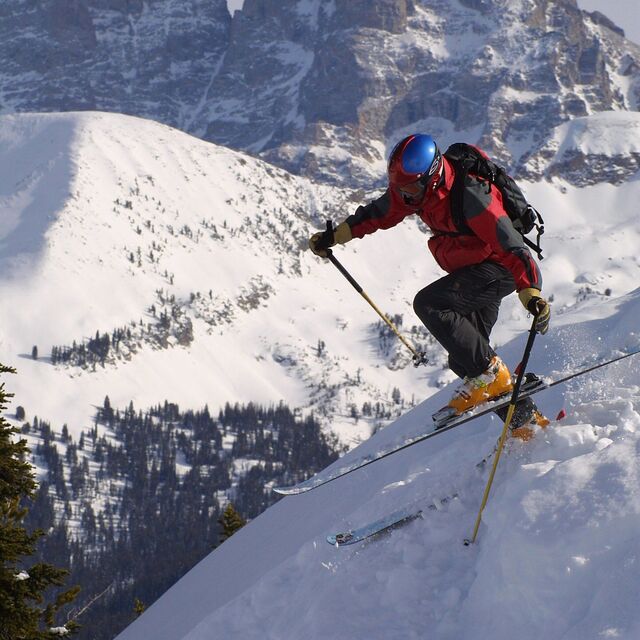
(491, 384)
(526, 431)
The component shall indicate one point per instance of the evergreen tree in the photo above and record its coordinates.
(155, 516)
(23, 611)
(138, 607)
(230, 522)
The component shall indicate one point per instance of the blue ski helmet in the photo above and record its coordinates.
(414, 158)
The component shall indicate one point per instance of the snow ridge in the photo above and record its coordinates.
(557, 549)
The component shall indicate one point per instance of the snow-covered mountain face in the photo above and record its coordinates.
(324, 87)
(357, 75)
(557, 551)
(148, 58)
(113, 223)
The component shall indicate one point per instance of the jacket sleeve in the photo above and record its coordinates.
(486, 217)
(383, 213)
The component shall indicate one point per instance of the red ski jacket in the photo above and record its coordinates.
(494, 237)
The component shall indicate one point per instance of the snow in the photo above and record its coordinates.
(558, 548)
(64, 248)
(557, 551)
(235, 5)
(608, 133)
(309, 10)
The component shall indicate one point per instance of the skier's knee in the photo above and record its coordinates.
(421, 303)
(423, 307)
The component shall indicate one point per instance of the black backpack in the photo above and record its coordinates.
(466, 159)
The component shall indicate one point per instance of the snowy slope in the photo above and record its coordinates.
(557, 552)
(80, 194)
(225, 235)
(84, 193)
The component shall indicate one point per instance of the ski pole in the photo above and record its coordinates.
(505, 428)
(419, 357)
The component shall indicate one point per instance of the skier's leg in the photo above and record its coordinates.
(483, 320)
(526, 411)
(460, 309)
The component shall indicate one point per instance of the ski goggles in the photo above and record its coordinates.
(414, 191)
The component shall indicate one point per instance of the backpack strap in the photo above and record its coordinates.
(459, 155)
(539, 225)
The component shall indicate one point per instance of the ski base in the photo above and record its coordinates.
(391, 521)
(388, 523)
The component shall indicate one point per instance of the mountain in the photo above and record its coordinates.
(557, 549)
(152, 59)
(323, 89)
(584, 151)
(188, 261)
(112, 222)
(355, 76)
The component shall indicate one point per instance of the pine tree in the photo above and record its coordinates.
(138, 607)
(230, 522)
(23, 610)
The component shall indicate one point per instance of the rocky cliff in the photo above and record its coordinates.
(151, 58)
(324, 87)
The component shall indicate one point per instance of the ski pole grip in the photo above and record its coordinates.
(330, 233)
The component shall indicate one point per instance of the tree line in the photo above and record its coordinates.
(136, 500)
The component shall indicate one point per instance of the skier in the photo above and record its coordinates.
(484, 264)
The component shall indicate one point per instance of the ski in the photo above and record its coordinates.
(320, 479)
(488, 407)
(388, 523)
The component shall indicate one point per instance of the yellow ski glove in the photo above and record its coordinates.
(534, 303)
(321, 241)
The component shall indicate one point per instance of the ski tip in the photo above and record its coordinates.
(289, 491)
(340, 539)
(561, 415)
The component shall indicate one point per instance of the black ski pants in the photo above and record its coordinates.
(460, 310)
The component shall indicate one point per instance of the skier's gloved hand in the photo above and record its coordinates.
(321, 241)
(534, 303)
